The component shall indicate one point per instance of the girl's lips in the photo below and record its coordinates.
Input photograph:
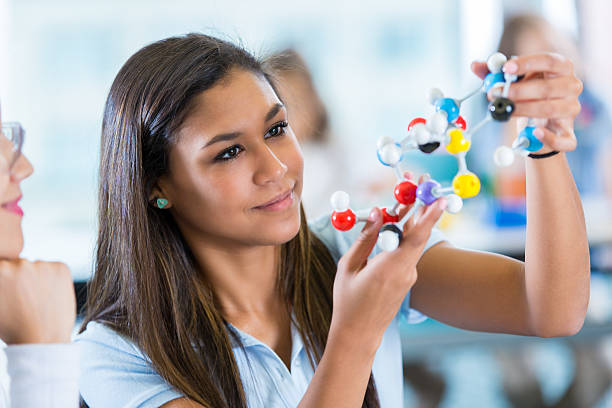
(13, 207)
(278, 205)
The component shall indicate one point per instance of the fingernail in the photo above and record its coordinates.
(442, 203)
(510, 67)
(539, 133)
(373, 215)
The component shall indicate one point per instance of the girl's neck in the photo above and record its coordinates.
(244, 280)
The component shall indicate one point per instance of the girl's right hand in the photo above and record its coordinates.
(37, 302)
(368, 293)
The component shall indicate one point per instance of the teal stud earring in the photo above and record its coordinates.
(161, 203)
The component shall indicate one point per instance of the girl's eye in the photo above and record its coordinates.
(229, 153)
(277, 130)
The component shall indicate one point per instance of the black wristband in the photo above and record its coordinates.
(542, 156)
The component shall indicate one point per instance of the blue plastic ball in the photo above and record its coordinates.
(534, 143)
(449, 106)
(491, 79)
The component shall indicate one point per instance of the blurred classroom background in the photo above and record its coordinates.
(371, 64)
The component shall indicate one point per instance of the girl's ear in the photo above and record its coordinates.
(158, 198)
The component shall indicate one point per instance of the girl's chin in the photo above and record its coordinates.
(281, 233)
(7, 252)
(11, 244)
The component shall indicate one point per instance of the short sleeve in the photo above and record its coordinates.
(115, 373)
(339, 242)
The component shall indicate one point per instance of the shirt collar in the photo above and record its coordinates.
(297, 345)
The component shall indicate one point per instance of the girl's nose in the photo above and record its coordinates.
(22, 169)
(270, 168)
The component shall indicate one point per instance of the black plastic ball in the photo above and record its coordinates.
(501, 109)
(429, 147)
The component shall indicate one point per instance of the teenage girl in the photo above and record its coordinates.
(212, 290)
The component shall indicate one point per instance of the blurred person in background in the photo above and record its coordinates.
(37, 301)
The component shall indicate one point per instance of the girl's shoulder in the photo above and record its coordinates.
(98, 335)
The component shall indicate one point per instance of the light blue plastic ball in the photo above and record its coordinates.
(449, 106)
(534, 143)
(491, 79)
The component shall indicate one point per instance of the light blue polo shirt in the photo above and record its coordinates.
(115, 373)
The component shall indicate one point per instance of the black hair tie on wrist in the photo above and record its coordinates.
(543, 156)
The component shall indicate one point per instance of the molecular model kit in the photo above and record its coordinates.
(444, 128)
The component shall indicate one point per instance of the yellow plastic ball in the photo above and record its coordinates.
(457, 143)
(466, 185)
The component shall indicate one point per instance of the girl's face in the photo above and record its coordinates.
(235, 172)
(11, 236)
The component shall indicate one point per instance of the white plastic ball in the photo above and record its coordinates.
(496, 61)
(388, 240)
(438, 123)
(434, 94)
(504, 156)
(384, 140)
(391, 154)
(340, 201)
(454, 203)
(421, 134)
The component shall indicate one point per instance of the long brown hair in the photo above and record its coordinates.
(146, 285)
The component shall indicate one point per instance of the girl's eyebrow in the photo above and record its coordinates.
(223, 137)
(273, 111)
(233, 135)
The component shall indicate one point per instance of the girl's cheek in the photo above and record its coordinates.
(4, 179)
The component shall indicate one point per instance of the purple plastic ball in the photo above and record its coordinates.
(424, 192)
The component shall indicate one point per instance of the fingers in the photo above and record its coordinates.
(548, 62)
(403, 210)
(545, 88)
(417, 234)
(480, 69)
(549, 109)
(562, 139)
(408, 175)
(357, 255)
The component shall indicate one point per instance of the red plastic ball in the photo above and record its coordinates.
(389, 218)
(344, 220)
(415, 121)
(405, 192)
(460, 122)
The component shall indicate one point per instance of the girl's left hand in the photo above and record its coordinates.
(548, 91)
